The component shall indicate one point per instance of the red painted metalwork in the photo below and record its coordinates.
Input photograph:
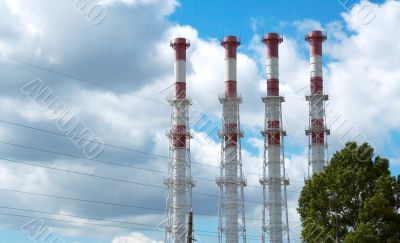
(272, 40)
(316, 85)
(318, 131)
(231, 136)
(180, 45)
(230, 43)
(180, 90)
(230, 87)
(179, 136)
(273, 87)
(274, 134)
(315, 38)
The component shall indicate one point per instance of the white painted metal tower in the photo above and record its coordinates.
(275, 223)
(232, 223)
(317, 131)
(179, 181)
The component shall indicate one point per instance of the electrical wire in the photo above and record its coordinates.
(22, 62)
(108, 162)
(101, 202)
(113, 226)
(89, 218)
(107, 178)
(115, 146)
(110, 145)
(108, 225)
(15, 60)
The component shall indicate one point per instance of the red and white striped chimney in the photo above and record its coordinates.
(272, 40)
(179, 182)
(179, 121)
(231, 182)
(274, 198)
(230, 43)
(317, 98)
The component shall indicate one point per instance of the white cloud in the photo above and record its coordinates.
(361, 76)
(307, 25)
(166, 6)
(134, 238)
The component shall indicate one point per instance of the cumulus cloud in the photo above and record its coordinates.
(362, 78)
(360, 72)
(54, 49)
(307, 25)
(134, 238)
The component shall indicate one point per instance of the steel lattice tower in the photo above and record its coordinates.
(274, 180)
(231, 223)
(317, 132)
(179, 181)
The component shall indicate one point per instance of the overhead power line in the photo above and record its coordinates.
(74, 216)
(94, 160)
(108, 162)
(100, 202)
(106, 225)
(77, 222)
(26, 63)
(66, 75)
(89, 218)
(82, 200)
(116, 146)
(82, 139)
(106, 178)
(153, 229)
(74, 77)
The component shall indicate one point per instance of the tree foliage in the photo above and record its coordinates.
(358, 190)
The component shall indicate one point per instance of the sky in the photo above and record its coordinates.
(109, 66)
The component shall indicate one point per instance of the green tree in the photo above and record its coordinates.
(356, 195)
(397, 193)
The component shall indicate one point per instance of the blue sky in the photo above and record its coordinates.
(218, 18)
(111, 75)
(214, 18)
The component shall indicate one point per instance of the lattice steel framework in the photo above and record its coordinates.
(231, 211)
(317, 132)
(179, 181)
(275, 225)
